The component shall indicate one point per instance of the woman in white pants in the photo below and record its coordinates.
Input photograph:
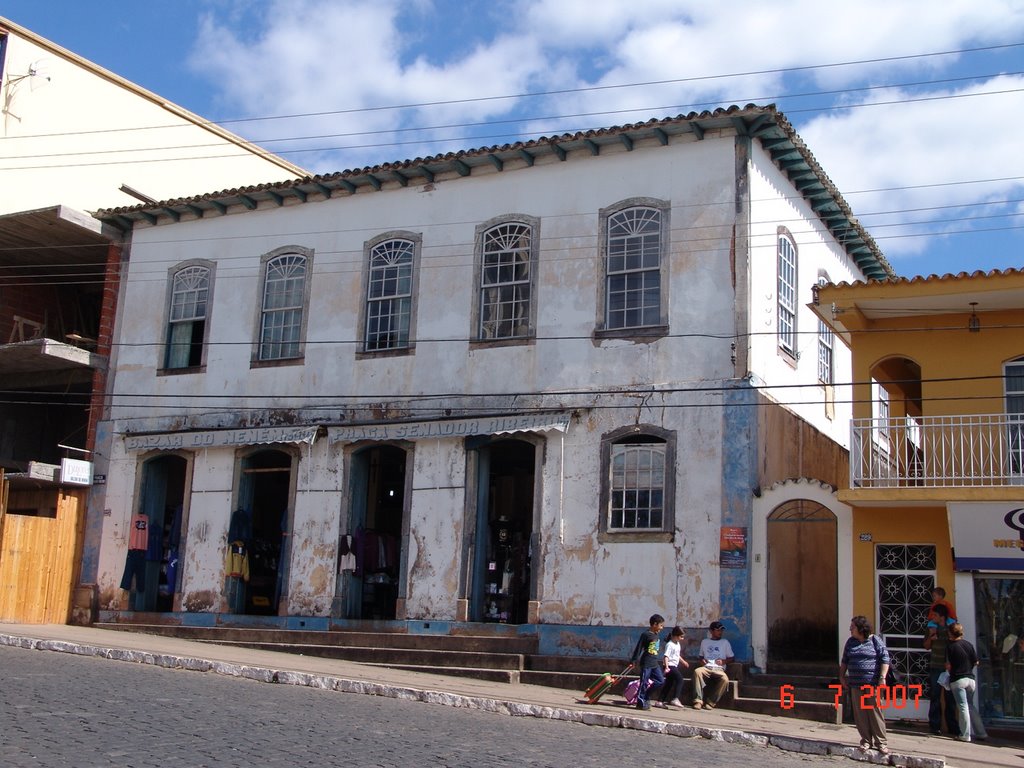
(961, 661)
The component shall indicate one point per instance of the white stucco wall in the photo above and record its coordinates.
(583, 578)
(817, 250)
(75, 133)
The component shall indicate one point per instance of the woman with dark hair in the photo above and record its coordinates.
(863, 668)
(961, 659)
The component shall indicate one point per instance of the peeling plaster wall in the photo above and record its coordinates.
(817, 251)
(203, 560)
(435, 530)
(313, 541)
(118, 498)
(585, 581)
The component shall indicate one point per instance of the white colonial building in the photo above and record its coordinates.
(563, 384)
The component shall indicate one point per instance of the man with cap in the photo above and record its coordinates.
(710, 679)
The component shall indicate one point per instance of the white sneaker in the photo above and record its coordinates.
(676, 703)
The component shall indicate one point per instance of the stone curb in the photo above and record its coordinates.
(497, 706)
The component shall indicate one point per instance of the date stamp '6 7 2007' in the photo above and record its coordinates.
(868, 697)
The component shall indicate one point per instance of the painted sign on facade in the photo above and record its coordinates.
(987, 536)
(170, 441)
(485, 425)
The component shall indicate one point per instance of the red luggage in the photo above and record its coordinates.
(602, 685)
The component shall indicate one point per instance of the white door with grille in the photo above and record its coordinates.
(905, 576)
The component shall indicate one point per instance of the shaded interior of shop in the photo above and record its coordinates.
(259, 530)
(372, 552)
(504, 532)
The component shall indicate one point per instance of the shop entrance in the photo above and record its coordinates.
(999, 603)
(162, 499)
(502, 579)
(261, 522)
(802, 582)
(378, 493)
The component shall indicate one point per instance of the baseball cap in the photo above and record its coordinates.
(716, 625)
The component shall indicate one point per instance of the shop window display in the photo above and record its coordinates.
(999, 603)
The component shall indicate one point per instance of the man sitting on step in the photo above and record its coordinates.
(710, 679)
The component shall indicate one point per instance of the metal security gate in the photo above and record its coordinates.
(905, 576)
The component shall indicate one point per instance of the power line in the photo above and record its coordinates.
(517, 135)
(556, 92)
(526, 118)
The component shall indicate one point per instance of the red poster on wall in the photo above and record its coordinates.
(733, 547)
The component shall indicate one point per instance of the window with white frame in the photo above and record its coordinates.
(1014, 390)
(634, 244)
(389, 294)
(186, 321)
(284, 299)
(880, 406)
(826, 351)
(507, 257)
(638, 483)
(787, 292)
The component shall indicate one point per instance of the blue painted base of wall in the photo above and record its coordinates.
(553, 639)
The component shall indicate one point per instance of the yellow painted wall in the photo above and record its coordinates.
(928, 323)
(906, 525)
(949, 351)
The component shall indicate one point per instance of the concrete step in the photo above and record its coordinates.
(404, 657)
(754, 688)
(821, 712)
(502, 658)
(520, 644)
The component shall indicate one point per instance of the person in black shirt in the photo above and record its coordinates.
(961, 660)
(647, 655)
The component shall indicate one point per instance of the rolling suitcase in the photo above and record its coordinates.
(602, 685)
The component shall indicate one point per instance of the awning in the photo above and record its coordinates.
(483, 425)
(170, 441)
(987, 536)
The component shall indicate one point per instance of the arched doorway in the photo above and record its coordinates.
(802, 608)
(162, 500)
(377, 522)
(502, 581)
(262, 519)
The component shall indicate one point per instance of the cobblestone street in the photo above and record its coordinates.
(63, 710)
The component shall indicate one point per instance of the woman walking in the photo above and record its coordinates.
(863, 668)
(961, 659)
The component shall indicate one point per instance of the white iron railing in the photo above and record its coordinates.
(972, 451)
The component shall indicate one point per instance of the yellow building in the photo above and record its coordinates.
(936, 480)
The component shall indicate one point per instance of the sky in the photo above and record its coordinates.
(914, 115)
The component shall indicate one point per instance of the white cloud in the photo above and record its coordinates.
(304, 56)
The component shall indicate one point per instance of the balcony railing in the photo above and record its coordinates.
(972, 451)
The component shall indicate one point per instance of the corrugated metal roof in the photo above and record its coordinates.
(763, 123)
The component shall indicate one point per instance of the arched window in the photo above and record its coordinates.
(633, 261)
(506, 281)
(284, 300)
(187, 317)
(389, 294)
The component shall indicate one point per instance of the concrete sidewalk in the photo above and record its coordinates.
(909, 748)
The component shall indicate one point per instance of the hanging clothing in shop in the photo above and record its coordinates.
(172, 571)
(135, 561)
(375, 551)
(237, 569)
(240, 528)
(346, 556)
(237, 565)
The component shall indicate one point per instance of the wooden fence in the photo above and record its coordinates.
(40, 544)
